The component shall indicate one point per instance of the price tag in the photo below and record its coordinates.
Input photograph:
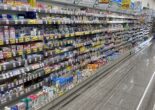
(51, 36)
(20, 52)
(28, 51)
(31, 21)
(27, 39)
(34, 38)
(1, 42)
(40, 38)
(49, 22)
(59, 22)
(66, 35)
(40, 49)
(34, 49)
(12, 41)
(79, 33)
(87, 32)
(59, 36)
(21, 40)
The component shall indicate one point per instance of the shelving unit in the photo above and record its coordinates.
(59, 44)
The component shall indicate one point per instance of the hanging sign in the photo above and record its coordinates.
(116, 1)
(126, 4)
(104, 1)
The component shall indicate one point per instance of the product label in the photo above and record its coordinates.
(12, 41)
(21, 40)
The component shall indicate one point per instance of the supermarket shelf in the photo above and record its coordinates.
(55, 21)
(26, 39)
(74, 91)
(60, 100)
(51, 11)
(40, 74)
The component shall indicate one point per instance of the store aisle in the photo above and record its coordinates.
(122, 88)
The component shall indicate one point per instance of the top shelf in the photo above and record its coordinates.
(4, 7)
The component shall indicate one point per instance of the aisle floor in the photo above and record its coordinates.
(122, 88)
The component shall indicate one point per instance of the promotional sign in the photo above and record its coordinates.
(125, 4)
(64, 1)
(115, 4)
(132, 6)
(88, 3)
(138, 6)
(104, 1)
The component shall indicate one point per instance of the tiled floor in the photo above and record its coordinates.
(122, 88)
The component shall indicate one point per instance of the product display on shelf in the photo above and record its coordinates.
(46, 51)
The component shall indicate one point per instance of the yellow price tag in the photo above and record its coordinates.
(21, 39)
(47, 70)
(12, 41)
(40, 38)
(28, 51)
(87, 32)
(79, 33)
(27, 39)
(51, 36)
(20, 52)
(34, 49)
(59, 22)
(31, 21)
(40, 49)
(59, 36)
(69, 68)
(1, 42)
(72, 34)
(49, 22)
(34, 38)
(66, 35)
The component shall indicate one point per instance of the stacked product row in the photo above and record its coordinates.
(60, 54)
